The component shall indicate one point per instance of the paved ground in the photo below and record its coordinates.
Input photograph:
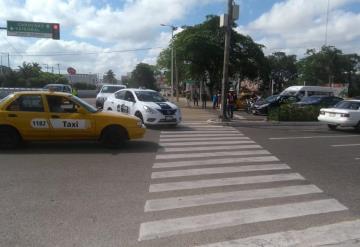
(198, 184)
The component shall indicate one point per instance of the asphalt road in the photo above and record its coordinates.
(80, 194)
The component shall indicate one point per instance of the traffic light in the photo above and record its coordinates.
(55, 30)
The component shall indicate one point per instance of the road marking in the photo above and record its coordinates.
(217, 170)
(226, 197)
(212, 154)
(223, 131)
(200, 135)
(327, 235)
(170, 227)
(346, 145)
(310, 137)
(239, 117)
(175, 144)
(214, 161)
(208, 148)
(207, 183)
(204, 138)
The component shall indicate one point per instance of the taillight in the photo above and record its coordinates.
(344, 115)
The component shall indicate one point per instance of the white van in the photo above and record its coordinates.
(105, 91)
(301, 91)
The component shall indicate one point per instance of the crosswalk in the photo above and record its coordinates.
(202, 166)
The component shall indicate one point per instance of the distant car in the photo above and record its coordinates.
(58, 88)
(346, 113)
(324, 101)
(52, 116)
(147, 105)
(105, 91)
(262, 106)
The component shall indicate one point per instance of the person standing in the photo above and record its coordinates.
(215, 101)
(203, 99)
(230, 103)
(196, 98)
(188, 98)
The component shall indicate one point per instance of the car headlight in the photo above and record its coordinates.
(149, 109)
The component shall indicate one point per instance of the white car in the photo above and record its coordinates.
(346, 113)
(105, 91)
(148, 105)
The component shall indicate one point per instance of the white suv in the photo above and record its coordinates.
(148, 105)
(105, 91)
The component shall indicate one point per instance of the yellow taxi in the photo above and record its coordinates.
(45, 115)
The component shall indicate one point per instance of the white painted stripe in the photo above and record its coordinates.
(208, 148)
(200, 135)
(226, 197)
(205, 138)
(217, 170)
(207, 183)
(357, 158)
(212, 154)
(310, 137)
(224, 131)
(239, 117)
(215, 161)
(346, 145)
(170, 227)
(203, 125)
(176, 144)
(335, 235)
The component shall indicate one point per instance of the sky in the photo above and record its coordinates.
(98, 35)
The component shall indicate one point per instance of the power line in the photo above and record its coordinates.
(81, 53)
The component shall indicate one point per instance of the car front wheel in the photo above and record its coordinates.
(113, 136)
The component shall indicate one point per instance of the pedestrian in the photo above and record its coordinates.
(215, 101)
(230, 103)
(188, 98)
(196, 98)
(218, 99)
(203, 99)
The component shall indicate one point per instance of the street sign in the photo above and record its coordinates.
(33, 29)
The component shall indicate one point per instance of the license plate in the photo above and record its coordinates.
(168, 118)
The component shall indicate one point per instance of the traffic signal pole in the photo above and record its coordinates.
(225, 79)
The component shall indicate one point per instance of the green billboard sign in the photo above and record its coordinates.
(33, 29)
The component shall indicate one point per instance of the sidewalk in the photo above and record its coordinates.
(211, 116)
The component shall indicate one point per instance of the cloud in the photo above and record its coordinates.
(295, 25)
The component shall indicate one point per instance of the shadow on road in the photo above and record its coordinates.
(82, 147)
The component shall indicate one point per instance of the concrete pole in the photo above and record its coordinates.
(225, 79)
(172, 63)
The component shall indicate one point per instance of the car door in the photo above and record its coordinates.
(27, 113)
(68, 120)
(118, 103)
(129, 103)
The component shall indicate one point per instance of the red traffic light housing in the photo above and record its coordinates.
(55, 30)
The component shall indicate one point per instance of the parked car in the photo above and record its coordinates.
(262, 106)
(346, 113)
(54, 116)
(305, 91)
(58, 88)
(148, 105)
(318, 100)
(105, 91)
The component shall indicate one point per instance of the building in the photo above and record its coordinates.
(91, 79)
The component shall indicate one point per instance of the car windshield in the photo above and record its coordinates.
(310, 100)
(84, 104)
(149, 96)
(111, 89)
(7, 97)
(353, 105)
(271, 98)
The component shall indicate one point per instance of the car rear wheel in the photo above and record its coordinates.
(113, 136)
(332, 126)
(139, 115)
(9, 137)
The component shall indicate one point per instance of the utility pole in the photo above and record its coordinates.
(8, 60)
(225, 79)
(58, 68)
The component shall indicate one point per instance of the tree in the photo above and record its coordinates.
(143, 76)
(110, 77)
(200, 49)
(283, 70)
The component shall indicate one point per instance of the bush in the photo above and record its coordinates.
(292, 112)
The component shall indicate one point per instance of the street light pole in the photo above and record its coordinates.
(225, 78)
(173, 28)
